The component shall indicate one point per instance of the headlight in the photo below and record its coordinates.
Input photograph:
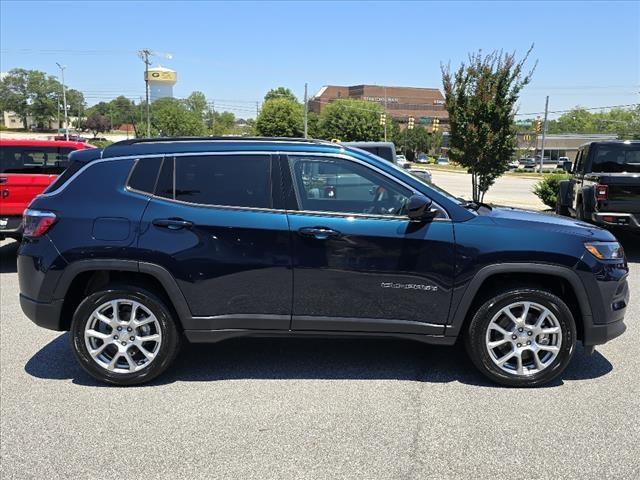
(605, 250)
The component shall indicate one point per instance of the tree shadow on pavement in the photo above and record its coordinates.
(306, 358)
(8, 252)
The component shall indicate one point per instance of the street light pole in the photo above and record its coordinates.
(385, 112)
(64, 101)
(306, 110)
(544, 131)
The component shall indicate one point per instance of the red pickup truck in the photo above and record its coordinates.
(27, 167)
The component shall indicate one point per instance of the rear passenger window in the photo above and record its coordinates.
(144, 174)
(226, 180)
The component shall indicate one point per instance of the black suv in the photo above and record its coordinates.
(604, 187)
(147, 242)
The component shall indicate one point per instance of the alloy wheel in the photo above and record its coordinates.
(122, 336)
(523, 338)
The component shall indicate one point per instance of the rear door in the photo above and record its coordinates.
(359, 263)
(215, 225)
(25, 171)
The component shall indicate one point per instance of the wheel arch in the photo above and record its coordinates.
(85, 276)
(551, 277)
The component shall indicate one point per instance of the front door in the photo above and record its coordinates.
(212, 225)
(359, 263)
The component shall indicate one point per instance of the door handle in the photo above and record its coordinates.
(319, 233)
(172, 223)
(3, 180)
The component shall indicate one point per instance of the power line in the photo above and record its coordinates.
(580, 108)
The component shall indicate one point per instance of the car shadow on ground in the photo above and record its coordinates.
(8, 253)
(631, 244)
(309, 358)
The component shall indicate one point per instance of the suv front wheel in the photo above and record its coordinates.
(124, 335)
(522, 337)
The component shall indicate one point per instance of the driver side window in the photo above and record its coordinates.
(325, 184)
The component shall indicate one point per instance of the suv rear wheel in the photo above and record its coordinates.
(522, 337)
(124, 335)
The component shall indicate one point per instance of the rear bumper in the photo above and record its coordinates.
(10, 226)
(626, 220)
(43, 314)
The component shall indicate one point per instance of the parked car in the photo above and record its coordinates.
(442, 161)
(548, 164)
(422, 158)
(386, 150)
(422, 174)
(564, 164)
(527, 163)
(514, 164)
(145, 243)
(27, 167)
(402, 161)
(604, 187)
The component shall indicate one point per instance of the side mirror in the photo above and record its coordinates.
(419, 208)
(566, 166)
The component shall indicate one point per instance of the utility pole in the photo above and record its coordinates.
(544, 131)
(64, 101)
(385, 113)
(144, 55)
(306, 110)
(257, 109)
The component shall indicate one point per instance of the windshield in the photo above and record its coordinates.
(34, 160)
(617, 159)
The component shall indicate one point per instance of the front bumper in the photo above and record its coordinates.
(626, 220)
(608, 292)
(43, 314)
(598, 334)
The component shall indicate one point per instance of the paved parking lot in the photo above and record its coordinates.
(258, 408)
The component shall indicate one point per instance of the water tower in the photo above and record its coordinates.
(161, 82)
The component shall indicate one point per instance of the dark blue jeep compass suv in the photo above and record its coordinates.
(147, 242)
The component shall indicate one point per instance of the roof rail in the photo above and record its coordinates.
(135, 141)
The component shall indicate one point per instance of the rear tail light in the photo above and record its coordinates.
(36, 223)
(602, 192)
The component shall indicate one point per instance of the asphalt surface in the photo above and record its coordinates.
(513, 190)
(313, 409)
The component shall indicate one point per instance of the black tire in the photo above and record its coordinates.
(580, 212)
(475, 338)
(561, 209)
(167, 351)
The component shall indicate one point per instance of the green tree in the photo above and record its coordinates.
(313, 125)
(197, 103)
(123, 110)
(280, 93)
(280, 117)
(75, 102)
(480, 98)
(352, 120)
(44, 94)
(14, 94)
(412, 142)
(171, 117)
(223, 123)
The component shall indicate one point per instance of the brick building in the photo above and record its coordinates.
(424, 104)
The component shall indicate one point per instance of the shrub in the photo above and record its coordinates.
(547, 188)
(100, 143)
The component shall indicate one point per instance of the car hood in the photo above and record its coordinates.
(520, 218)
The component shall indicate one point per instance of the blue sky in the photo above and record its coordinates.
(588, 52)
